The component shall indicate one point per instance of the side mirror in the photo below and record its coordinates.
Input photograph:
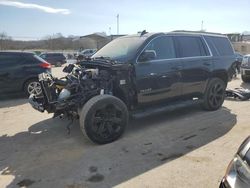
(147, 55)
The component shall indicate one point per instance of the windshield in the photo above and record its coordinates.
(121, 49)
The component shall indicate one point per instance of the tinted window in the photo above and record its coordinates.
(121, 49)
(190, 46)
(219, 46)
(31, 59)
(163, 47)
(10, 58)
(43, 55)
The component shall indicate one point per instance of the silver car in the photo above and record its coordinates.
(238, 171)
(245, 68)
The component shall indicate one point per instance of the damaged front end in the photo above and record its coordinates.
(67, 95)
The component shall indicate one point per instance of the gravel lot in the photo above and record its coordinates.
(184, 148)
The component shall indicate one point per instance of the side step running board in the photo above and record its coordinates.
(159, 109)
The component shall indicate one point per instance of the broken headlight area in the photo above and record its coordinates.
(66, 95)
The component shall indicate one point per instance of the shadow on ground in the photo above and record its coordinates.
(14, 99)
(45, 156)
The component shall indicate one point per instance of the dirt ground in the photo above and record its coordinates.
(183, 148)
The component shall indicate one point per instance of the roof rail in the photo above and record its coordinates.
(186, 31)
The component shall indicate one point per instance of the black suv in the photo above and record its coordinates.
(56, 59)
(140, 74)
(19, 72)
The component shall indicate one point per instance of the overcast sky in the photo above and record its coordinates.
(38, 18)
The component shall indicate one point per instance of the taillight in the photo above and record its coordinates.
(45, 65)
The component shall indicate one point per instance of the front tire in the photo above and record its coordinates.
(103, 119)
(214, 95)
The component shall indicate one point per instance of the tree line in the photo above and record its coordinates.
(50, 42)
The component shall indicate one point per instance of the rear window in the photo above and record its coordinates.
(39, 59)
(220, 46)
(190, 46)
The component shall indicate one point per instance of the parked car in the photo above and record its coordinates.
(239, 57)
(140, 74)
(56, 59)
(238, 171)
(19, 72)
(85, 54)
(88, 52)
(245, 68)
(238, 62)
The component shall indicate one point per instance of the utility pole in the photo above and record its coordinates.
(202, 25)
(117, 24)
(109, 30)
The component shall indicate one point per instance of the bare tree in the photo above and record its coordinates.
(4, 41)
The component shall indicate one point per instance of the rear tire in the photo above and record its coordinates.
(214, 95)
(103, 119)
(32, 86)
(58, 64)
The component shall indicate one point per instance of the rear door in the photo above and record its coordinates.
(10, 72)
(159, 79)
(197, 64)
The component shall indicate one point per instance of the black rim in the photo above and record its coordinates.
(216, 95)
(107, 122)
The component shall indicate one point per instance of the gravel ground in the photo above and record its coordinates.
(183, 148)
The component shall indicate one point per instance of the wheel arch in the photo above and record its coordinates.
(221, 74)
(27, 80)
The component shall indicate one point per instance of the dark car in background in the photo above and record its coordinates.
(238, 171)
(238, 61)
(85, 54)
(56, 59)
(239, 57)
(19, 72)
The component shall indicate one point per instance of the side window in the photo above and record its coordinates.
(219, 45)
(189, 46)
(163, 47)
(9, 59)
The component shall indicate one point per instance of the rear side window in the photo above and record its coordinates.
(220, 46)
(10, 59)
(189, 46)
(39, 59)
(163, 47)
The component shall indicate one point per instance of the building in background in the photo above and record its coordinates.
(100, 39)
(241, 42)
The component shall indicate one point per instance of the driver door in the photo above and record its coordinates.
(159, 77)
